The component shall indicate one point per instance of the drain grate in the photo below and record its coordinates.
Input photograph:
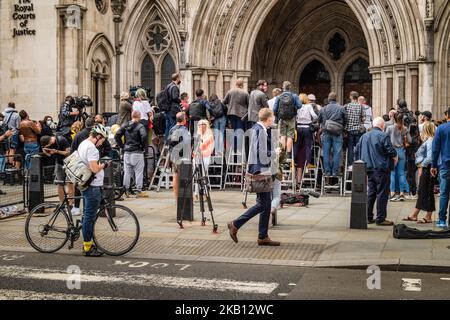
(205, 248)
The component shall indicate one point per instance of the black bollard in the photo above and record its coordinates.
(185, 203)
(36, 182)
(358, 214)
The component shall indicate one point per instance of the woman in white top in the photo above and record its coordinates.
(142, 105)
(303, 154)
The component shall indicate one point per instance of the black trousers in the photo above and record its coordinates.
(379, 184)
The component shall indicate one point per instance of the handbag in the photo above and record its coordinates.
(259, 183)
(77, 172)
(333, 127)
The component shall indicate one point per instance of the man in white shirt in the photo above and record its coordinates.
(92, 196)
(276, 92)
(367, 111)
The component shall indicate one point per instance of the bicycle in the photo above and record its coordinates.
(49, 226)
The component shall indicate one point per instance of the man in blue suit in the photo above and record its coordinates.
(262, 160)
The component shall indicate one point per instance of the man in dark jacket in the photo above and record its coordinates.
(376, 150)
(198, 110)
(67, 116)
(136, 141)
(262, 161)
(332, 120)
(173, 97)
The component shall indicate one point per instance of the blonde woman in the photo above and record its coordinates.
(303, 147)
(142, 105)
(125, 109)
(75, 128)
(205, 146)
(424, 157)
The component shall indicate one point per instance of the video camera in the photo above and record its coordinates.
(81, 103)
(133, 91)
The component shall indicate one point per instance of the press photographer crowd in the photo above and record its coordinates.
(407, 155)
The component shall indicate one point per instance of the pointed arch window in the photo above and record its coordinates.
(167, 70)
(148, 74)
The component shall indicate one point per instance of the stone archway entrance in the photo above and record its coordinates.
(315, 78)
(309, 43)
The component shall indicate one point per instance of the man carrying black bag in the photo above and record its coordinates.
(262, 167)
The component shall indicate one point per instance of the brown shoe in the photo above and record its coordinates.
(385, 223)
(233, 231)
(268, 243)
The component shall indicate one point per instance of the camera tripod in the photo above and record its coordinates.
(200, 179)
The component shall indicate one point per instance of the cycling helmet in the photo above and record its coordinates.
(101, 130)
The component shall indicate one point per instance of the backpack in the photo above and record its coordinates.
(217, 109)
(5, 126)
(402, 231)
(77, 172)
(197, 111)
(292, 199)
(159, 124)
(286, 107)
(163, 99)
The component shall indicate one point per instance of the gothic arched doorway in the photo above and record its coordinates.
(315, 79)
(358, 78)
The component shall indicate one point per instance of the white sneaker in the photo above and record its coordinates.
(75, 211)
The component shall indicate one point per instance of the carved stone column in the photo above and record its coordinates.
(401, 79)
(117, 7)
(414, 73)
(212, 81)
(70, 44)
(227, 76)
(376, 84)
(389, 74)
(197, 75)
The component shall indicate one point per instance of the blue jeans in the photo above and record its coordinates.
(2, 163)
(398, 176)
(353, 139)
(170, 123)
(332, 144)
(91, 200)
(237, 124)
(263, 207)
(30, 149)
(445, 192)
(219, 135)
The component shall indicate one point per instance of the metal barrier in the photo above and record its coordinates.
(13, 192)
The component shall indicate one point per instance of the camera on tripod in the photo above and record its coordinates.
(133, 91)
(81, 103)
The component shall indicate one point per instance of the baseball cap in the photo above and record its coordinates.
(312, 97)
(427, 114)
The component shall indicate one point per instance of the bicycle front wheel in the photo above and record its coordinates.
(116, 230)
(47, 229)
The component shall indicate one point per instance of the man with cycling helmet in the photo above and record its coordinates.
(92, 196)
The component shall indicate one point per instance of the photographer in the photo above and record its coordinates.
(58, 148)
(67, 116)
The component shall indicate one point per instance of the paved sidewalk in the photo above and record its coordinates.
(317, 236)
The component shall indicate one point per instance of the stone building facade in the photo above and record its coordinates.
(385, 49)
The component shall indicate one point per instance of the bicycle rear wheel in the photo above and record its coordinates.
(116, 230)
(46, 229)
